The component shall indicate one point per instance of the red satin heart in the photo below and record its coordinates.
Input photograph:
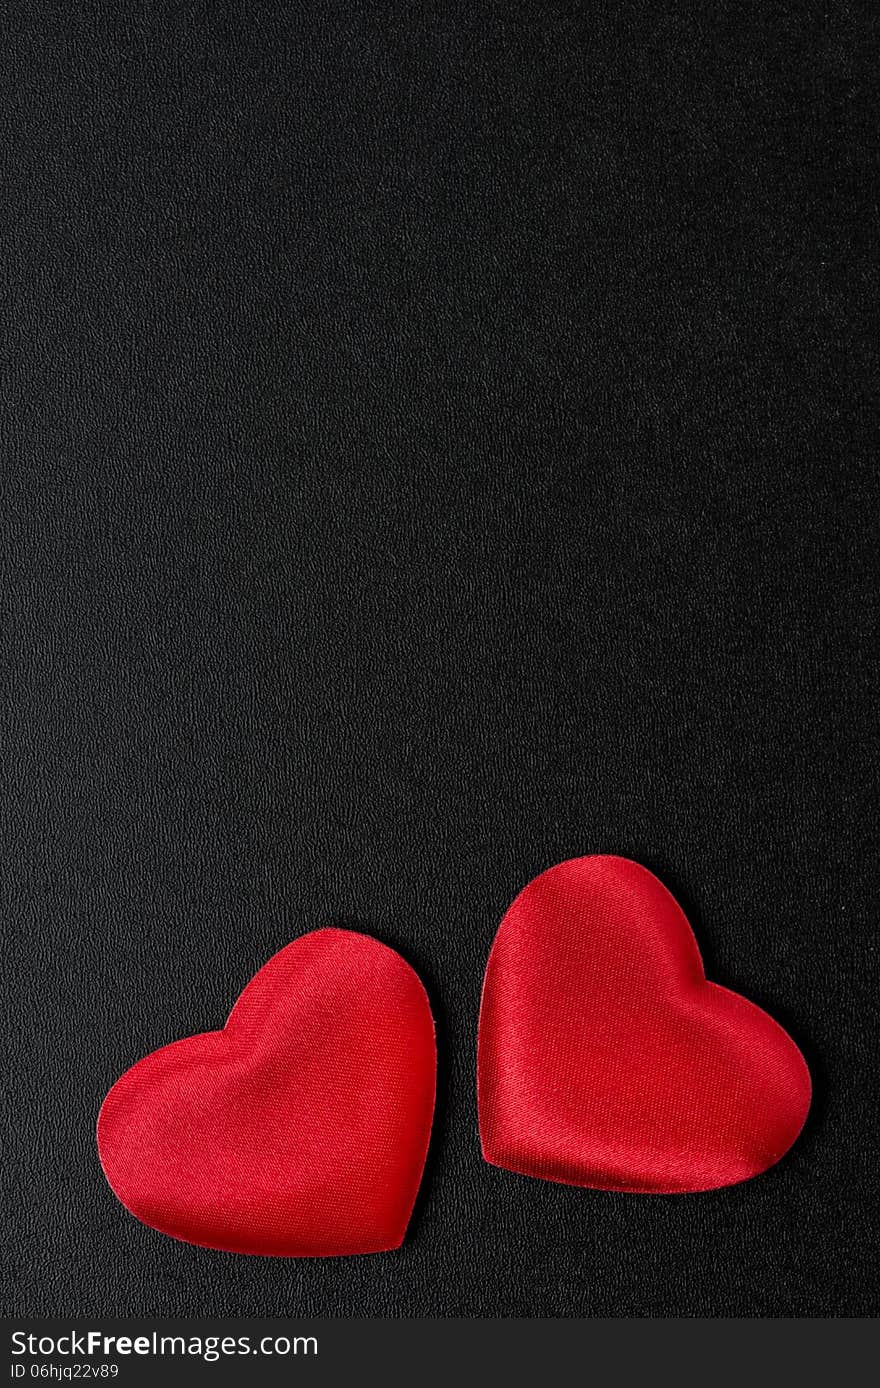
(301, 1128)
(607, 1059)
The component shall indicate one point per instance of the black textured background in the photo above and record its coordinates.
(437, 440)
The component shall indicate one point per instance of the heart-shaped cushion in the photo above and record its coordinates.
(606, 1058)
(301, 1128)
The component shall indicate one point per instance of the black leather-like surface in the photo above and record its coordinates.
(437, 440)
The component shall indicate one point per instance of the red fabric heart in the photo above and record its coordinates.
(301, 1128)
(607, 1059)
